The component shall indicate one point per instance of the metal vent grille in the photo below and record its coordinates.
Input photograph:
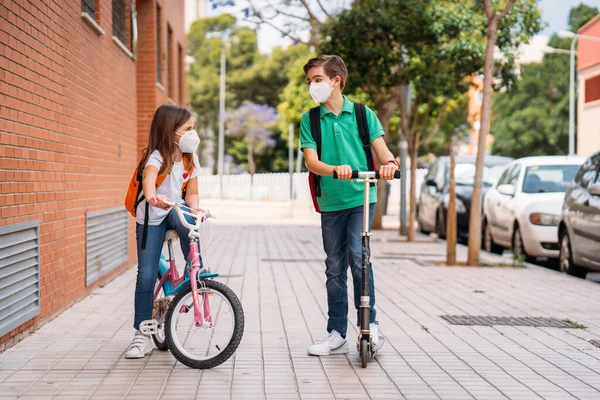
(512, 321)
(106, 242)
(19, 274)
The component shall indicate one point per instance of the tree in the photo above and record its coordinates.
(205, 42)
(253, 77)
(507, 32)
(427, 45)
(531, 118)
(291, 18)
(251, 124)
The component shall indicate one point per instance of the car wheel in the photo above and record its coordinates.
(440, 226)
(518, 247)
(488, 242)
(566, 258)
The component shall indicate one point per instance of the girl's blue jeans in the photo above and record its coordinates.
(148, 259)
(343, 245)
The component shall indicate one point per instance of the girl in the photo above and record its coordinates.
(171, 152)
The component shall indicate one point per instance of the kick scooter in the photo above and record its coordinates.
(365, 344)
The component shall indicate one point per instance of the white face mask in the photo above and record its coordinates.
(320, 91)
(189, 141)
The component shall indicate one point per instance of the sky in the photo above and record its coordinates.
(554, 13)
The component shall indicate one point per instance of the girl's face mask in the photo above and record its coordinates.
(189, 141)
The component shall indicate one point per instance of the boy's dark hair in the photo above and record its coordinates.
(333, 65)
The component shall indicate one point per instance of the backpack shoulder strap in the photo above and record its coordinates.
(315, 127)
(363, 131)
(315, 130)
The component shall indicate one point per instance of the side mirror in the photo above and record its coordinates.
(508, 190)
(594, 190)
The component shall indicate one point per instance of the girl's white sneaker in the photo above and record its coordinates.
(140, 346)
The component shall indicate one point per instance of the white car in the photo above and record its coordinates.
(522, 209)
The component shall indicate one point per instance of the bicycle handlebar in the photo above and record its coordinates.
(198, 216)
(367, 174)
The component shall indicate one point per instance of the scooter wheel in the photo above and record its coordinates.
(364, 352)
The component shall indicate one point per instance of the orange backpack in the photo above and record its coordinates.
(135, 194)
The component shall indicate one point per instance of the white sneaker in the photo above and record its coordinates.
(140, 346)
(375, 336)
(333, 343)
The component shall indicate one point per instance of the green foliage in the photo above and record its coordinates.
(295, 99)
(581, 15)
(431, 45)
(532, 118)
(205, 46)
(250, 76)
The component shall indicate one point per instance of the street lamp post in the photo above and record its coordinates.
(221, 149)
(574, 37)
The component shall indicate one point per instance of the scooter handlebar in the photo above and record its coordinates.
(367, 174)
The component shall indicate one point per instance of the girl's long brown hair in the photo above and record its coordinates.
(167, 119)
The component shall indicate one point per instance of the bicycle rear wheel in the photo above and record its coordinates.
(213, 343)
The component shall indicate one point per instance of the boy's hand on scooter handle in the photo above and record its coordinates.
(159, 201)
(343, 172)
(387, 172)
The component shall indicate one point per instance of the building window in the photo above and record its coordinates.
(89, 7)
(180, 73)
(592, 89)
(170, 60)
(119, 20)
(158, 52)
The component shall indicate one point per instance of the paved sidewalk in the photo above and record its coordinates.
(278, 273)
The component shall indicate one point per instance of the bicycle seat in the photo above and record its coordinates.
(171, 235)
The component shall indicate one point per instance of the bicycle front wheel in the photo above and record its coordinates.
(222, 328)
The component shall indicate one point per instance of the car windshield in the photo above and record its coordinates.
(464, 174)
(548, 178)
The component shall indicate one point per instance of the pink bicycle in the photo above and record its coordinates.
(200, 320)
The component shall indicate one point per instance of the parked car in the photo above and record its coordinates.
(579, 226)
(522, 210)
(432, 209)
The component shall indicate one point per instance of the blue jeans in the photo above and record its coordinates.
(148, 261)
(343, 245)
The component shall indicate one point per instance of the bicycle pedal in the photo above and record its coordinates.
(149, 327)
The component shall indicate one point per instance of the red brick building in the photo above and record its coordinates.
(79, 82)
(588, 71)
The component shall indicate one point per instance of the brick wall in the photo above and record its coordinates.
(70, 131)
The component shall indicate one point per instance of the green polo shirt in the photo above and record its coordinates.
(341, 145)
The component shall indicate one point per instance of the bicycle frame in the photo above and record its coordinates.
(171, 282)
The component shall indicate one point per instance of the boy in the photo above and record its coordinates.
(341, 203)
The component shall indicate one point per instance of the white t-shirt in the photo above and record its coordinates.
(171, 187)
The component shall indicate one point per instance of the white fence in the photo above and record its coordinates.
(276, 187)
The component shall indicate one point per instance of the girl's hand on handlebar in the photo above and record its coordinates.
(344, 172)
(160, 201)
(200, 211)
(387, 172)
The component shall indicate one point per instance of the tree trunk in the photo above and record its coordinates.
(475, 214)
(251, 168)
(451, 216)
(385, 110)
(413, 148)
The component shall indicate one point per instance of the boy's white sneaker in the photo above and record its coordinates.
(376, 340)
(140, 346)
(333, 343)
